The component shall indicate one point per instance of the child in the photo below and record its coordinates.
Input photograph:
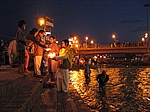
(102, 80)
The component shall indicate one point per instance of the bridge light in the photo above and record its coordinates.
(75, 38)
(86, 38)
(143, 39)
(113, 36)
(146, 35)
(92, 42)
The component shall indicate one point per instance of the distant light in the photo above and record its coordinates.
(146, 35)
(76, 41)
(95, 57)
(77, 46)
(70, 43)
(104, 56)
(86, 38)
(92, 41)
(75, 38)
(113, 36)
(143, 39)
(70, 39)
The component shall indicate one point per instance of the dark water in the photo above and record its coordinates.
(128, 90)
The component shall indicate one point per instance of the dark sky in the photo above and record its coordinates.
(97, 19)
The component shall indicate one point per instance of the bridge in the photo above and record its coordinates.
(115, 50)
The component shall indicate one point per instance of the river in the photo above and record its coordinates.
(128, 89)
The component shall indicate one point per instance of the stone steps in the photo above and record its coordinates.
(19, 93)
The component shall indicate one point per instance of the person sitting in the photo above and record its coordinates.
(102, 80)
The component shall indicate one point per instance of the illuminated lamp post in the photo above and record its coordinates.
(143, 41)
(41, 22)
(46, 23)
(86, 40)
(146, 38)
(75, 41)
(92, 42)
(147, 5)
(114, 37)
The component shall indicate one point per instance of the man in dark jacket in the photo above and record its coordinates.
(102, 80)
(21, 43)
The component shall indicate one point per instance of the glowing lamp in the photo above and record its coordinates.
(41, 21)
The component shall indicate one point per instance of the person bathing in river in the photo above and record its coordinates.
(87, 73)
(102, 80)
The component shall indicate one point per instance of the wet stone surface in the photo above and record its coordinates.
(128, 90)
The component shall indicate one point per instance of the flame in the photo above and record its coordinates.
(51, 55)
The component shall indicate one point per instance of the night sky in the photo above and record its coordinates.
(97, 19)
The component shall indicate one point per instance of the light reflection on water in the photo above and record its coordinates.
(128, 89)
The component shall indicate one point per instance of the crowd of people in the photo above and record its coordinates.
(30, 45)
(27, 46)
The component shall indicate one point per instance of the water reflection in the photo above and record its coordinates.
(128, 89)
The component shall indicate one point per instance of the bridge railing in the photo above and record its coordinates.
(113, 50)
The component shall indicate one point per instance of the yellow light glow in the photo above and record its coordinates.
(75, 38)
(51, 55)
(41, 21)
(77, 45)
(92, 41)
(143, 39)
(86, 38)
(113, 36)
(146, 35)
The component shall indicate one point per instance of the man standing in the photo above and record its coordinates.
(21, 45)
(38, 53)
(52, 63)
